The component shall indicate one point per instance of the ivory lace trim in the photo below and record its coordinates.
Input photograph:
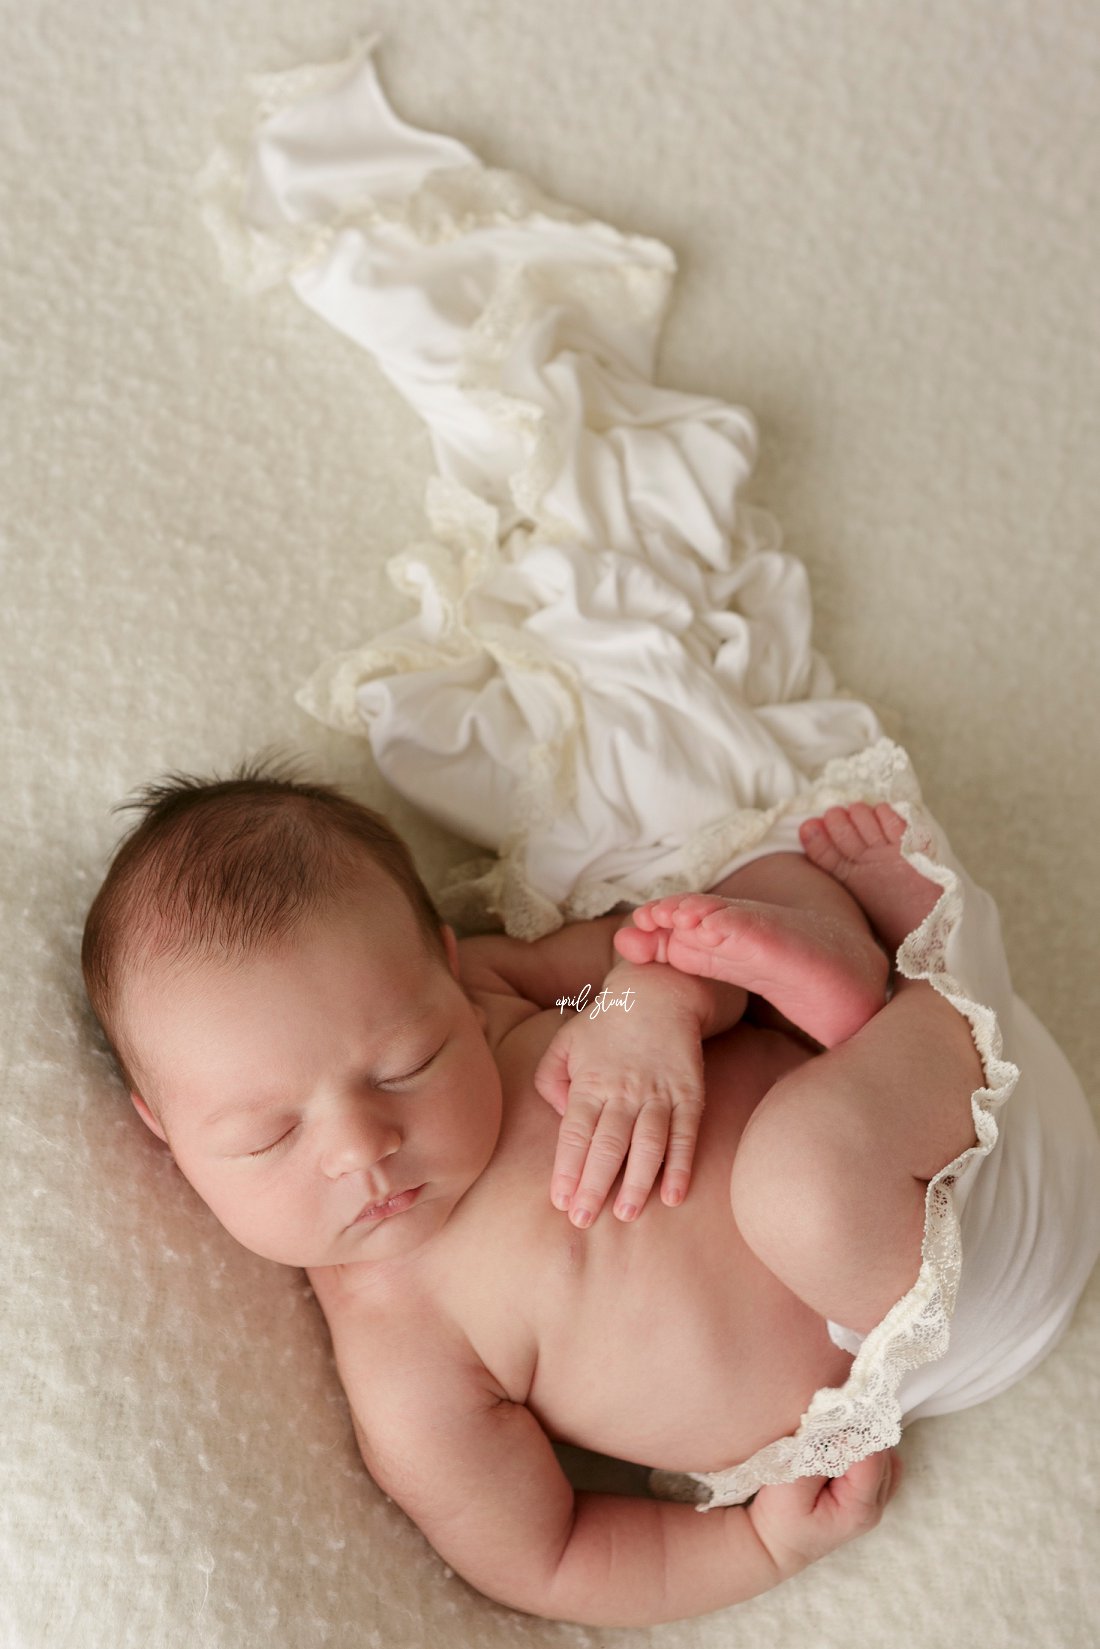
(846, 1423)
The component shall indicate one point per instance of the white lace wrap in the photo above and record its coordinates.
(609, 682)
(846, 1423)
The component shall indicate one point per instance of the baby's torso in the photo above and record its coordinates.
(663, 1341)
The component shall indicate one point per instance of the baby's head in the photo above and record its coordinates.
(285, 1007)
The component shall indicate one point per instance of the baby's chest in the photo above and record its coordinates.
(630, 1338)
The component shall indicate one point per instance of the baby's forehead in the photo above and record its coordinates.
(166, 993)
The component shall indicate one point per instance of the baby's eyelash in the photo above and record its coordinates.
(264, 1149)
(409, 1074)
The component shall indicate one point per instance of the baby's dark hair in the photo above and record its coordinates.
(224, 867)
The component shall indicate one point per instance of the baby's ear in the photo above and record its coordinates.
(147, 1117)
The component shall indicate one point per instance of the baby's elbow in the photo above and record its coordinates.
(529, 1587)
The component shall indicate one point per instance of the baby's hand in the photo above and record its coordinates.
(801, 1521)
(623, 1084)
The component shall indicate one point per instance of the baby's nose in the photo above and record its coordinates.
(357, 1139)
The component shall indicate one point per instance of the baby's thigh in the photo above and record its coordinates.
(823, 1200)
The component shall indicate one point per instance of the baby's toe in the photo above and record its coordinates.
(866, 823)
(843, 833)
(817, 844)
(697, 907)
(648, 916)
(637, 944)
(893, 826)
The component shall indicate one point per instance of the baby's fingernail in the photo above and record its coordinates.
(674, 1197)
(561, 1199)
(626, 1210)
(582, 1218)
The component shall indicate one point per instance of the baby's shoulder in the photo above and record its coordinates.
(383, 1329)
(400, 1360)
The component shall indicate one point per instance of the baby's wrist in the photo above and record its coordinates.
(658, 982)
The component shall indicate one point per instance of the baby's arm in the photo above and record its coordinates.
(583, 954)
(479, 1477)
(625, 1071)
(627, 1079)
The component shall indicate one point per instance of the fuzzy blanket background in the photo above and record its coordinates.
(886, 221)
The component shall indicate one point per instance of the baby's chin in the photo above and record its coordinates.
(359, 1248)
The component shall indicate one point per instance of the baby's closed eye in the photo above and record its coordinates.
(389, 1082)
(264, 1149)
(395, 1081)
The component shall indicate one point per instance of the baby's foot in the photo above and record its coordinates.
(823, 975)
(861, 847)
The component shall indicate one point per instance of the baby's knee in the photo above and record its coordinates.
(839, 1227)
(789, 1163)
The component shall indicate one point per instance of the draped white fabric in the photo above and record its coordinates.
(612, 654)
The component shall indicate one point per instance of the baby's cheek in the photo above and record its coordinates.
(256, 1225)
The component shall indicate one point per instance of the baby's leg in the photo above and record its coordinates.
(781, 928)
(829, 1182)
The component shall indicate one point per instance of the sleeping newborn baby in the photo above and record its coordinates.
(353, 1090)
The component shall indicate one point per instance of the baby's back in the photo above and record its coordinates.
(664, 1340)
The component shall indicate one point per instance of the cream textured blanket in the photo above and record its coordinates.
(883, 223)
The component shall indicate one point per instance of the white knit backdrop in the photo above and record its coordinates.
(885, 218)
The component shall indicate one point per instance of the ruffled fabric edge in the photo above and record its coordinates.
(490, 890)
(846, 1423)
(251, 260)
(259, 251)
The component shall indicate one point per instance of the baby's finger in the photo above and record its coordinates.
(680, 1155)
(647, 1148)
(855, 1500)
(863, 1480)
(574, 1139)
(551, 1078)
(609, 1146)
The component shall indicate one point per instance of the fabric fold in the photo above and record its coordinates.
(595, 598)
